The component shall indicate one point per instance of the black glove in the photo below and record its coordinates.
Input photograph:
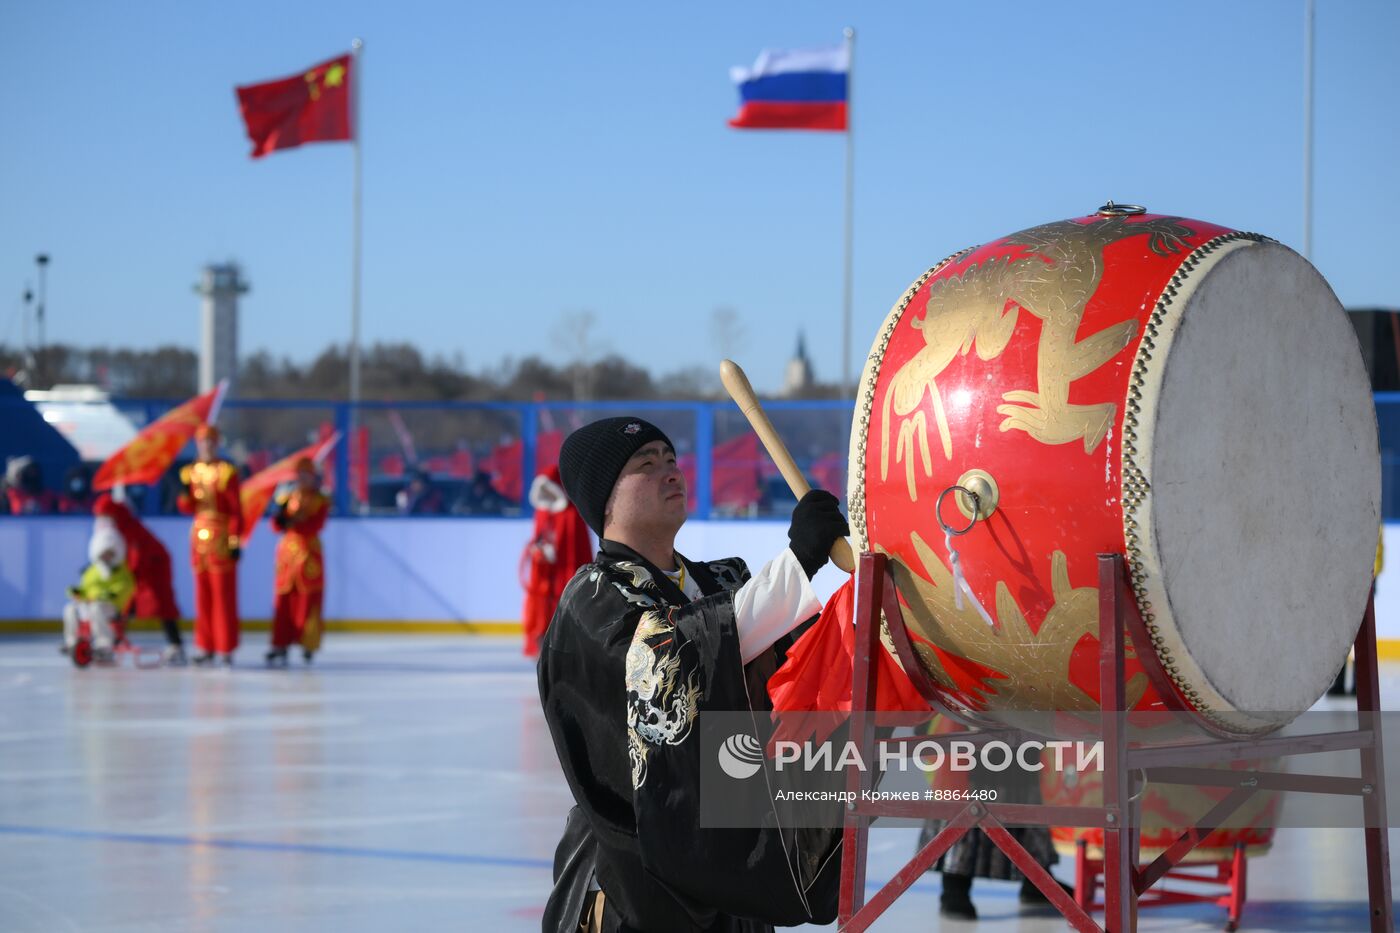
(816, 524)
(235, 553)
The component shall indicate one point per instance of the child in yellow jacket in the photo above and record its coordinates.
(102, 595)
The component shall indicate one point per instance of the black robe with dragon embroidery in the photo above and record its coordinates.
(626, 665)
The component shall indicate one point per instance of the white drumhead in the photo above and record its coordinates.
(1252, 486)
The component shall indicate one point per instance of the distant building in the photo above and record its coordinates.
(797, 378)
(219, 286)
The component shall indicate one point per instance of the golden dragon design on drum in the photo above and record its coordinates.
(1051, 272)
(1019, 654)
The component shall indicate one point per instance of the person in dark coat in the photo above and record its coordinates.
(643, 642)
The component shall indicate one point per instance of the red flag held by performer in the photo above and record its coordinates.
(150, 453)
(311, 107)
(558, 547)
(257, 490)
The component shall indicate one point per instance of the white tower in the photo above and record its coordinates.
(797, 377)
(219, 286)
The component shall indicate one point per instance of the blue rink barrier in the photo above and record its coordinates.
(479, 457)
(439, 574)
(443, 575)
(460, 566)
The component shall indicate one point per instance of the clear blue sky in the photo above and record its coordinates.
(527, 161)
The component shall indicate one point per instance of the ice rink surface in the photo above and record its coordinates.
(402, 783)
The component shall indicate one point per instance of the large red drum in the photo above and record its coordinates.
(1190, 396)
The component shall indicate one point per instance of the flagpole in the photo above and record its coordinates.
(357, 58)
(846, 383)
(1309, 15)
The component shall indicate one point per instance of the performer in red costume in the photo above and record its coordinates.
(211, 496)
(557, 549)
(149, 562)
(301, 578)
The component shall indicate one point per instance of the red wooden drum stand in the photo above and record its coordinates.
(1125, 768)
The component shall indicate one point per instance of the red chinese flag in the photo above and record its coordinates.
(256, 491)
(150, 453)
(313, 107)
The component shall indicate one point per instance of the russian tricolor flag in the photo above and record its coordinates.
(801, 89)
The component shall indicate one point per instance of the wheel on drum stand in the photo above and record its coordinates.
(82, 652)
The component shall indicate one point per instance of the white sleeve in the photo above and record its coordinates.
(772, 604)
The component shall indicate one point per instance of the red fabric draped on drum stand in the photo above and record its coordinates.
(1154, 428)
(814, 684)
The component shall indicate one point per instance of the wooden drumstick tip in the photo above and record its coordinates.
(736, 383)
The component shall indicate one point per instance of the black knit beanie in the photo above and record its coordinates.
(592, 458)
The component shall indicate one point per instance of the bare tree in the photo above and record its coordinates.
(694, 382)
(574, 338)
(726, 332)
(391, 372)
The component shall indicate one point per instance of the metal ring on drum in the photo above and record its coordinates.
(1120, 210)
(938, 510)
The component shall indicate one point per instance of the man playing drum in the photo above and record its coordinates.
(643, 641)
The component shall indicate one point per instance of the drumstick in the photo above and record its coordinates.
(743, 395)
